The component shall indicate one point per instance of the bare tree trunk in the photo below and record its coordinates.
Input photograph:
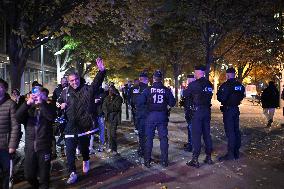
(176, 69)
(80, 67)
(18, 60)
(209, 60)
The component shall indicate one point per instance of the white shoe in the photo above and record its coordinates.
(108, 150)
(86, 166)
(72, 179)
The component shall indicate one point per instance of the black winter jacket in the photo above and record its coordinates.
(39, 119)
(80, 104)
(270, 97)
(9, 127)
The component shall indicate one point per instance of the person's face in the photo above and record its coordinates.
(2, 90)
(198, 74)
(74, 81)
(111, 91)
(64, 82)
(136, 82)
(145, 80)
(230, 75)
(44, 96)
(15, 93)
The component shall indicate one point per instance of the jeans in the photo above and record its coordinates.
(5, 167)
(101, 123)
(269, 113)
(71, 145)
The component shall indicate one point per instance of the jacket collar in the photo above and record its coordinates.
(6, 97)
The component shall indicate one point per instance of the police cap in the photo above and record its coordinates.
(230, 70)
(190, 76)
(158, 73)
(143, 74)
(200, 67)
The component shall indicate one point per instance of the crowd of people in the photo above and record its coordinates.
(83, 109)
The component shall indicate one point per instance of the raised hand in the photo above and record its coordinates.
(100, 64)
(30, 100)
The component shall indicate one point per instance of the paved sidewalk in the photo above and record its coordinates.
(261, 164)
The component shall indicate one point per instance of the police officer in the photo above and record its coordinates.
(158, 98)
(141, 112)
(230, 94)
(201, 93)
(188, 112)
(134, 92)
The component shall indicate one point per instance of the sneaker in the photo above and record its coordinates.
(269, 123)
(86, 166)
(147, 164)
(193, 163)
(72, 178)
(136, 131)
(108, 150)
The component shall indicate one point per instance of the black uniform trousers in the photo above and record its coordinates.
(141, 134)
(232, 130)
(162, 128)
(201, 127)
(37, 164)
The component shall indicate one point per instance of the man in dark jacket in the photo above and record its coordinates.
(201, 93)
(188, 111)
(126, 97)
(133, 95)
(57, 91)
(112, 108)
(77, 101)
(9, 132)
(98, 117)
(230, 94)
(270, 101)
(39, 116)
(141, 113)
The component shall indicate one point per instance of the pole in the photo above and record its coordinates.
(42, 64)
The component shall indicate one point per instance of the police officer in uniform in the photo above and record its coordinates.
(201, 93)
(158, 98)
(188, 112)
(134, 92)
(230, 94)
(141, 111)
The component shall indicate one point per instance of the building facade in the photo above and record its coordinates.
(34, 70)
